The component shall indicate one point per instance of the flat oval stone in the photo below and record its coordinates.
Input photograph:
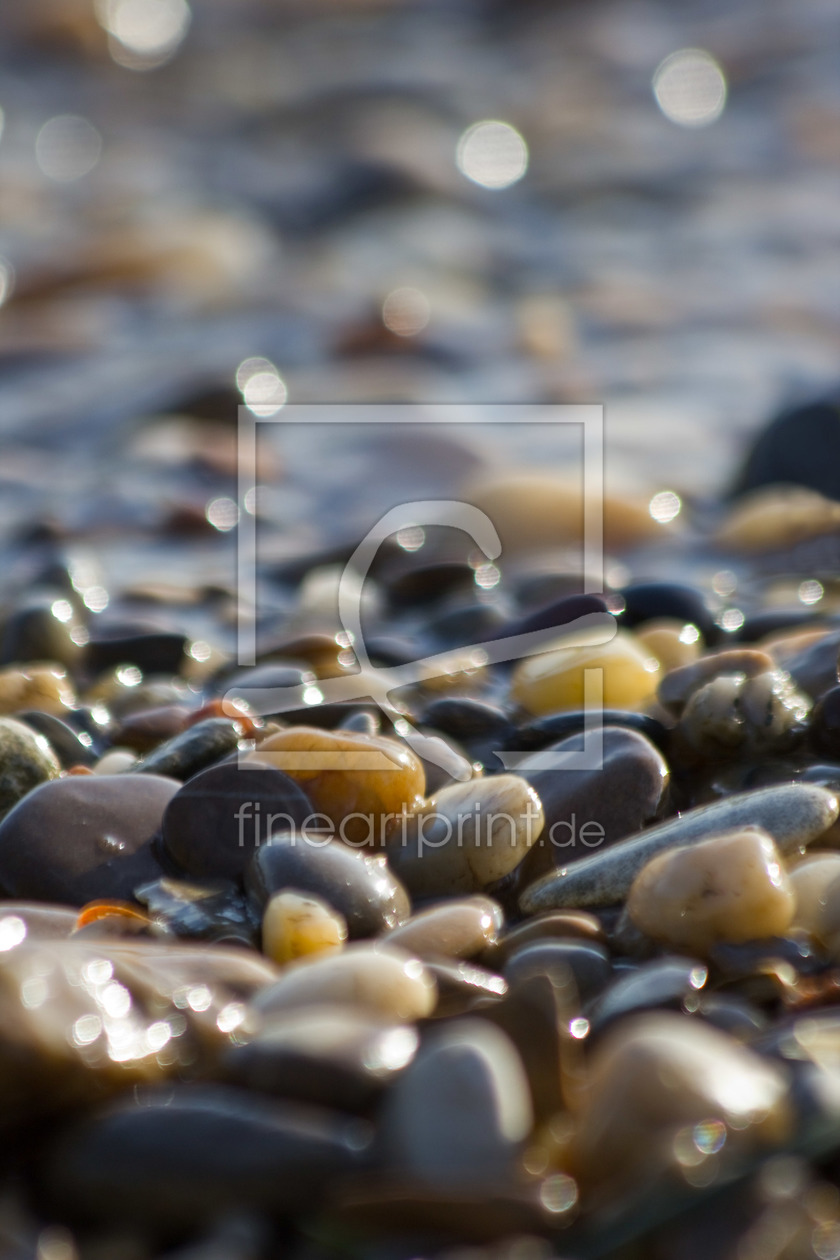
(224, 813)
(453, 929)
(591, 809)
(359, 886)
(663, 984)
(356, 781)
(295, 926)
(794, 814)
(731, 887)
(175, 1157)
(378, 979)
(84, 837)
(554, 680)
(679, 684)
(588, 963)
(26, 760)
(329, 1056)
(461, 1111)
(194, 749)
(656, 1073)
(467, 837)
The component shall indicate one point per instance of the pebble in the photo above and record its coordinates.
(26, 760)
(46, 628)
(77, 839)
(591, 809)
(648, 602)
(793, 814)
(673, 643)
(775, 518)
(331, 1056)
(555, 679)
(544, 731)
(153, 651)
(41, 921)
(811, 881)
(463, 986)
(356, 781)
(460, 928)
(801, 445)
(224, 813)
(170, 1158)
(588, 963)
(461, 1112)
(662, 984)
(115, 761)
(72, 747)
(295, 926)
(357, 885)
(143, 731)
(214, 911)
(559, 612)
(193, 750)
(815, 667)
(732, 887)
(378, 979)
(734, 715)
(467, 837)
(44, 687)
(677, 687)
(824, 728)
(545, 927)
(657, 1074)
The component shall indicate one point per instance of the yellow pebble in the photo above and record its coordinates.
(555, 680)
(673, 643)
(778, 516)
(294, 926)
(358, 782)
(732, 887)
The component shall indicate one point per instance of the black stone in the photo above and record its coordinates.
(543, 731)
(558, 613)
(63, 739)
(801, 446)
(663, 984)
(34, 633)
(588, 963)
(824, 729)
(215, 911)
(648, 601)
(151, 650)
(464, 627)
(193, 750)
(429, 583)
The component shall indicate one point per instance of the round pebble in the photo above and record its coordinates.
(379, 979)
(295, 926)
(460, 928)
(26, 760)
(555, 679)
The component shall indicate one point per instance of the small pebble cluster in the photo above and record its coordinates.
(272, 983)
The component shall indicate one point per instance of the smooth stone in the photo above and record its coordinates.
(815, 667)
(733, 715)
(46, 628)
(72, 747)
(362, 722)
(26, 760)
(557, 613)
(468, 720)
(732, 887)
(793, 814)
(757, 962)
(461, 928)
(672, 643)
(34, 920)
(356, 781)
(83, 837)
(144, 730)
(214, 911)
(330, 1056)
(554, 680)
(153, 651)
(767, 623)
(776, 518)
(650, 601)
(193, 750)
(738, 1018)
(461, 627)
(463, 986)
(593, 809)
(115, 761)
(678, 685)
(588, 963)
(224, 813)
(546, 927)
(811, 881)
(800, 445)
(429, 584)
(359, 886)
(657, 1073)
(295, 926)
(378, 979)
(36, 686)
(824, 729)
(461, 1112)
(662, 984)
(171, 1158)
(548, 730)
(467, 837)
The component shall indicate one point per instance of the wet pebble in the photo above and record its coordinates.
(588, 963)
(193, 750)
(46, 628)
(814, 669)
(793, 814)
(673, 643)
(546, 927)
(224, 813)
(649, 601)
(811, 881)
(800, 445)
(731, 887)
(545, 731)
(738, 716)
(295, 926)
(824, 727)
(678, 685)
(153, 651)
(211, 911)
(467, 837)
(72, 747)
(83, 837)
(378, 979)
(26, 760)
(461, 1111)
(355, 781)
(357, 885)
(662, 984)
(44, 687)
(460, 928)
(554, 680)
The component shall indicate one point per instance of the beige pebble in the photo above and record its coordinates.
(731, 887)
(777, 516)
(555, 680)
(757, 715)
(811, 881)
(467, 836)
(656, 1077)
(45, 687)
(115, 761)
(673, 643)
(379, 979)
(295, 925)
(678, 685)
(454, 929)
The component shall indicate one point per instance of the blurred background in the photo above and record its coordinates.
(632, 202)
